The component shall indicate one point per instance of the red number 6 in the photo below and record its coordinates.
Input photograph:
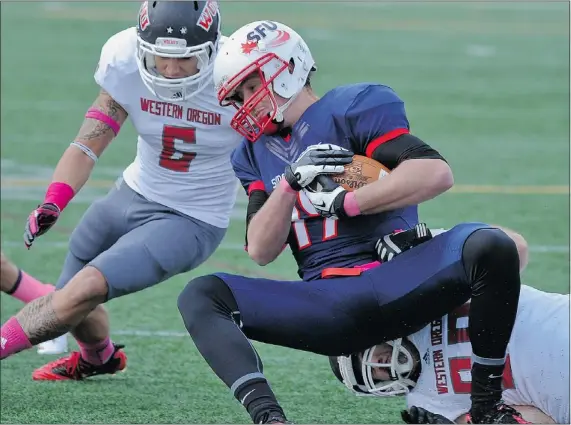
(172, 158)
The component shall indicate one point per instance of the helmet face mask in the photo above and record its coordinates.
(359, 372)
(177, 30)
(279, 57)
(244, 122)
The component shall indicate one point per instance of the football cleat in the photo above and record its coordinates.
(500, 413)
(75, 368)
(54, 346)
(274, 417)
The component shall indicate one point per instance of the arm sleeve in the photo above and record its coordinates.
(252, 183)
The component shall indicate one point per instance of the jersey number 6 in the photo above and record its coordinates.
(172, 158)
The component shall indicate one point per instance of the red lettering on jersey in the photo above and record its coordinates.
(208, 118)
(207, 16)
(436, 332)
(440, 372)
(165, 109)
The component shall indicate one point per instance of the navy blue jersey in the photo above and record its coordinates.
(358, 117)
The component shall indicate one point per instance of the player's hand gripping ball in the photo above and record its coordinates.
(363, 170)
(327, 192)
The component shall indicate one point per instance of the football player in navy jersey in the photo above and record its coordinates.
(346, 301)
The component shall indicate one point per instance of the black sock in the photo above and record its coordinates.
(258, 399)
(486, 386)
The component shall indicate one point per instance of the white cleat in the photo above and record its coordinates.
(54, 346)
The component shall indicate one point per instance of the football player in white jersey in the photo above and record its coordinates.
(20, 285)
(432, 366)
(168, 212)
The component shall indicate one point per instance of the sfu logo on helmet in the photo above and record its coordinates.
(207, 16)
(144, 16)
(267, 29)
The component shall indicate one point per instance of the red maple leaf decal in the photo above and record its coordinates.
(249, 46)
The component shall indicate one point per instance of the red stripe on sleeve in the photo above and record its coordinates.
(257, 185)
(375, 143)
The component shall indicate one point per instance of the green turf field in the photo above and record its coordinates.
(487, 84)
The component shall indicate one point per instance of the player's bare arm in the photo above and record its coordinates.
(269, 228)
(412, 182)
(419, 173)
(96, 133)
(102, 123)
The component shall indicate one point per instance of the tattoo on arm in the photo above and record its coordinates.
(40, 322)
(96, 134)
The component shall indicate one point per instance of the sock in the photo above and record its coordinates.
(28, 288)
(258, 399)
(486, 383)
(13, 339)
(96, 353)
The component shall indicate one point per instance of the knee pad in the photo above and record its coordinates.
(488, 250)
(204, 296)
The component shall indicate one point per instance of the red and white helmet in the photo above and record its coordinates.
(356, 370)
(283, 62)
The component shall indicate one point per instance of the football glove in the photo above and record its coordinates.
(316, 160)
(327, 197)
(40, 221)
(418, 415)
(391, 245)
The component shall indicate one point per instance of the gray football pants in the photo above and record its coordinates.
(136, 243)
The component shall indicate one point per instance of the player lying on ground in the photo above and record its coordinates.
(172, 207)
(263, 71)
(432, 366)
(20, 285)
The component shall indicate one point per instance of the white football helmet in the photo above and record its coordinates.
(356, 370)
(177, 29)
(283, 62)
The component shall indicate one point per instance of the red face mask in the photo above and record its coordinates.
(244, 122)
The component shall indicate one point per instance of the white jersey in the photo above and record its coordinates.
(183, 148)
(537, 367)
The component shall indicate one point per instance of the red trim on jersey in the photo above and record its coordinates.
(375, 143)
(257, 185)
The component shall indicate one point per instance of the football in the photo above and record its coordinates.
(361, 171)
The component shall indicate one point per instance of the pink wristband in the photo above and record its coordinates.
(96, 114)
(60, 194)
(350, 205)
(286, 187)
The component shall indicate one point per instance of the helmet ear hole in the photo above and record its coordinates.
(291, 66)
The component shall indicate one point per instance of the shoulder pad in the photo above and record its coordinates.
(118, 59)
(372, 96)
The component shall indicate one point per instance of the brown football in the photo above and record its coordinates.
(361, 171)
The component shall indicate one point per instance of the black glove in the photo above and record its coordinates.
(40, 221)
(316, 160)
(418, 415)
(390, 245)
